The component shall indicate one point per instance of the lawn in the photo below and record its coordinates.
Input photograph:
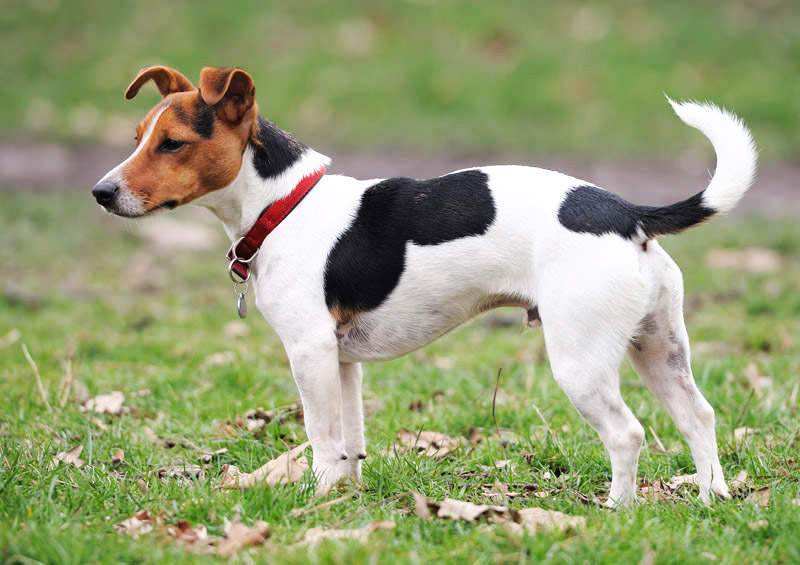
(533, 77)
(154, 323)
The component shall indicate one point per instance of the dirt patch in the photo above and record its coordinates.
(47, 166)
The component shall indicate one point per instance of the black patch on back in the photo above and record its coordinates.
(365, 264)
(274, 150)
(588, 209)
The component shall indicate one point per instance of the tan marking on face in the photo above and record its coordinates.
(202, 165)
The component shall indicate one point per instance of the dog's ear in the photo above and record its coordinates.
(232, 90)
(167, 80)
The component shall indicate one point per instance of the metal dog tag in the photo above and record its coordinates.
(241, 306)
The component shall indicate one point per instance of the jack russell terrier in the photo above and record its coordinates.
(348, 270)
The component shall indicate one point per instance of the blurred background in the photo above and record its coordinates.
(415, 87)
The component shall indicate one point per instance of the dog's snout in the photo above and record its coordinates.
(104, 192)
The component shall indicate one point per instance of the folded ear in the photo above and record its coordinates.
(231, 90)
(167, 80)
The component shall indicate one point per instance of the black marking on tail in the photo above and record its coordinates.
(588, 209)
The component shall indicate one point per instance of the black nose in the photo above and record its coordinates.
(104, 192)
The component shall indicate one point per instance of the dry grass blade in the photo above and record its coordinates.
(39, 384)
(66, 381)
(297, 512)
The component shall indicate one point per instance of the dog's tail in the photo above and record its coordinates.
(736, 169)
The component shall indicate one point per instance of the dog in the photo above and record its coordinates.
(347, 270)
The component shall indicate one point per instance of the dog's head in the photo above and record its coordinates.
(191, 143)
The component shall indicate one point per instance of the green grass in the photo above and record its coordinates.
(64, 271)
(470, 76)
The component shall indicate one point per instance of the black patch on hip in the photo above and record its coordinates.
(366, 262)
(588, 209)
(274, 150)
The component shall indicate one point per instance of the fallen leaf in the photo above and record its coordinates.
(71, 457)
(475, 436)
(142, 486)
(796, 501)
(750, 259)
(237, 536)
(194, 539)
(207, 455)
(502, 463)
(236, 329)
(758, 525)
(679, 480)
(219, 359)
(535, 520)
(431, 444)
(760, 497)
(314, 536)
(739, 481)
(531, 520)
(286, 468)
(138, 524)
(118, 457)
(10, 338)
(99, 423)
(740, 433)
(656, 491)
(757, 381)
(499, 491)
(181, 471)
(151, 435)
(106, 404)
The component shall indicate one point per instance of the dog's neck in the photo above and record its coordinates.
(273, 164)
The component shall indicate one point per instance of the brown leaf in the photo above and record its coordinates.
(71, 457)
(502, 463)
(99, 423)
(656, 491)
(194, 539)
(220, 359)
(106, 404)
(757, 381)
(679, 480)
(236, 329)
(314, 536)
(760, 497)
(531, 520)
(740, 481)
(740, 433)
(138, 524)
(181, 471)
(237, 536)
(286, 468)
(118, 457)
(475, 436)
(207, 455)
(535, 520)
(750, 259)
(758, 525)
(431, 444)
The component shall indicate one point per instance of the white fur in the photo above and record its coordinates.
(126, 203)
(735, 148)
(594, 294)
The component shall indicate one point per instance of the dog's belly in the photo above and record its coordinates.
(441, 288)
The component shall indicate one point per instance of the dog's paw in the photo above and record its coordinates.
(331, 472)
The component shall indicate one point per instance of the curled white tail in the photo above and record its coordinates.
(735, 148)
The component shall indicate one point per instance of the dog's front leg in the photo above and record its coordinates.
(315, 367)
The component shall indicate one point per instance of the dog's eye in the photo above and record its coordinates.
(170, 145)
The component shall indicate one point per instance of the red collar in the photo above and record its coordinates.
(246, 248)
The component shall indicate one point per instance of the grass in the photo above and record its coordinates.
(466, 76)
(67, 281)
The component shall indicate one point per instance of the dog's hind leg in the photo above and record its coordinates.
(585, 343)
(660, 354)
(353, 415)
